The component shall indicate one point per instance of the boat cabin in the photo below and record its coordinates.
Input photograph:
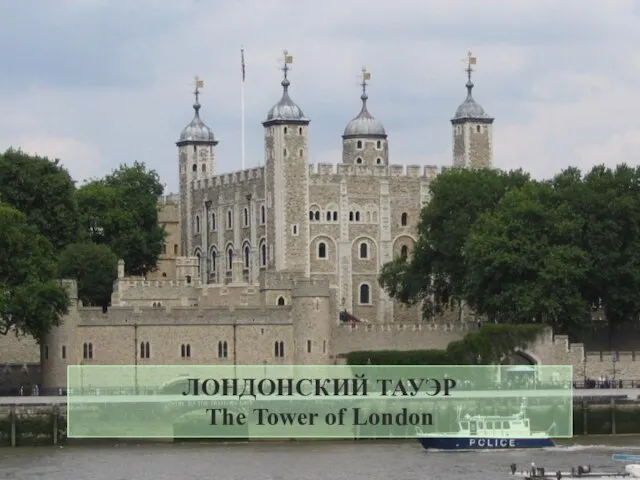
(495, 426)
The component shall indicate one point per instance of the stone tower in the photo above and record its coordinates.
(472, 131)
(197, 160)
(364, 141)
(287, 182)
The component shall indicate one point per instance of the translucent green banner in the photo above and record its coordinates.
(332, 401)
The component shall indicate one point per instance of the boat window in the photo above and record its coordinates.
(526, 423)
(505, 425)
(489, 425)
(480, 425)
(464, 425)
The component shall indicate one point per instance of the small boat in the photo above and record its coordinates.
(631, 471)
(482, 432)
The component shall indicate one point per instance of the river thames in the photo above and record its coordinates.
(343, 460)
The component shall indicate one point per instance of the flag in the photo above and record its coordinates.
(288, 59)
(472, 60)
(366, 76)
(243, 67)
(199, 83)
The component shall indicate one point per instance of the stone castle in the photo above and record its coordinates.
(280, 264)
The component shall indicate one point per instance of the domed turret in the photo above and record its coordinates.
(286, 110)
(470, 109)
(197, 132)
(364, 125)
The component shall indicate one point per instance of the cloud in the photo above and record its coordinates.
(104, 83)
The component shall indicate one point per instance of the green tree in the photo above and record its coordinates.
(94, 267)
(611, 201)
(436, 273)
(121, 211)
(43, 190)
(32, 299)
(525, 262)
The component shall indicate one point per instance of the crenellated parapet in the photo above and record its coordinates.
(241, 177)
(169, 199)
(412, 171)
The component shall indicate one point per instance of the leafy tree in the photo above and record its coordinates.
(612, 236)
(121, 211)
(436, 272)
(43, 190)
(525, 262)
(32, 299)
(94, 267)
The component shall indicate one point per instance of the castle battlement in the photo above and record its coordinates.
(408, 327)
(413, 171)
(169, 199)
(233, 178)
(140, 282)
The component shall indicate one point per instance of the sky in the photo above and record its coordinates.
(100, 83)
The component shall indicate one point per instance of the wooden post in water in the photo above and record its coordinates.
(613, 415)
(585, 417)
(54, 421)
(12, 420)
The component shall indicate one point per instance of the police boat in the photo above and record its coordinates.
(483, 432)
(631, 471)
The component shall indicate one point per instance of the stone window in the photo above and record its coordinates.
(229, 258)
(294, 229)
(214, 260)
(87, 351)
(301, 153)
(175, 249)
(164, 274)
(263, 254)
(299, 130)
(281, 301)
(229, 219)
(285, 130)
(328, 216)
(263, 215)
(404, 252)
(359, 160)
(364, 250)
(378, 144)
(308, 346)
(379, 161)
(223, 350)
(204, 167)
(245, 216)
(335, 216)
(359, 144)
(164, 249)
(365, 294)
(64, 352)
(403, 219)
(284, 152)
(197, 224)
(357, 216)
(478, 128)
(324, 346)
(145, 350)
(199, 264)
(322, 250)
(185, 350)
(279, 349)
(213, 222)
(247, 256)
(194, 168)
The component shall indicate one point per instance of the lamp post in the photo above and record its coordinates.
(614, 359)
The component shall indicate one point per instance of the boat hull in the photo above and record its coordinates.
(484, 443)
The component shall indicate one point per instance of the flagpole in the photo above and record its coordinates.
(242, 106)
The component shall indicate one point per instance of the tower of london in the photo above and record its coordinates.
(277, 264)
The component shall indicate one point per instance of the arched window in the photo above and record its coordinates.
(359, 144)
(263, 254)
(199, 262)
(404, 252)
(365, 294)
(378, 161)
(316, 216)
(145, 351)
(185, 350)
(351, 216)
(246, 256)
(281, 301)
(364, 250)
(322, 250)
(263, 215)
(194, 168)
(245, 213)
(378, 144)
(223, 351)
(197, 224)
(204, 167)
(214, 260)
(335, 216)
(279, 349)
(357, 216)
(213, 221)
(230, 258)
(229, 219)
(403, 219)
(359, 160)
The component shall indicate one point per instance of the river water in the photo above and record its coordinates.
(344, 460)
